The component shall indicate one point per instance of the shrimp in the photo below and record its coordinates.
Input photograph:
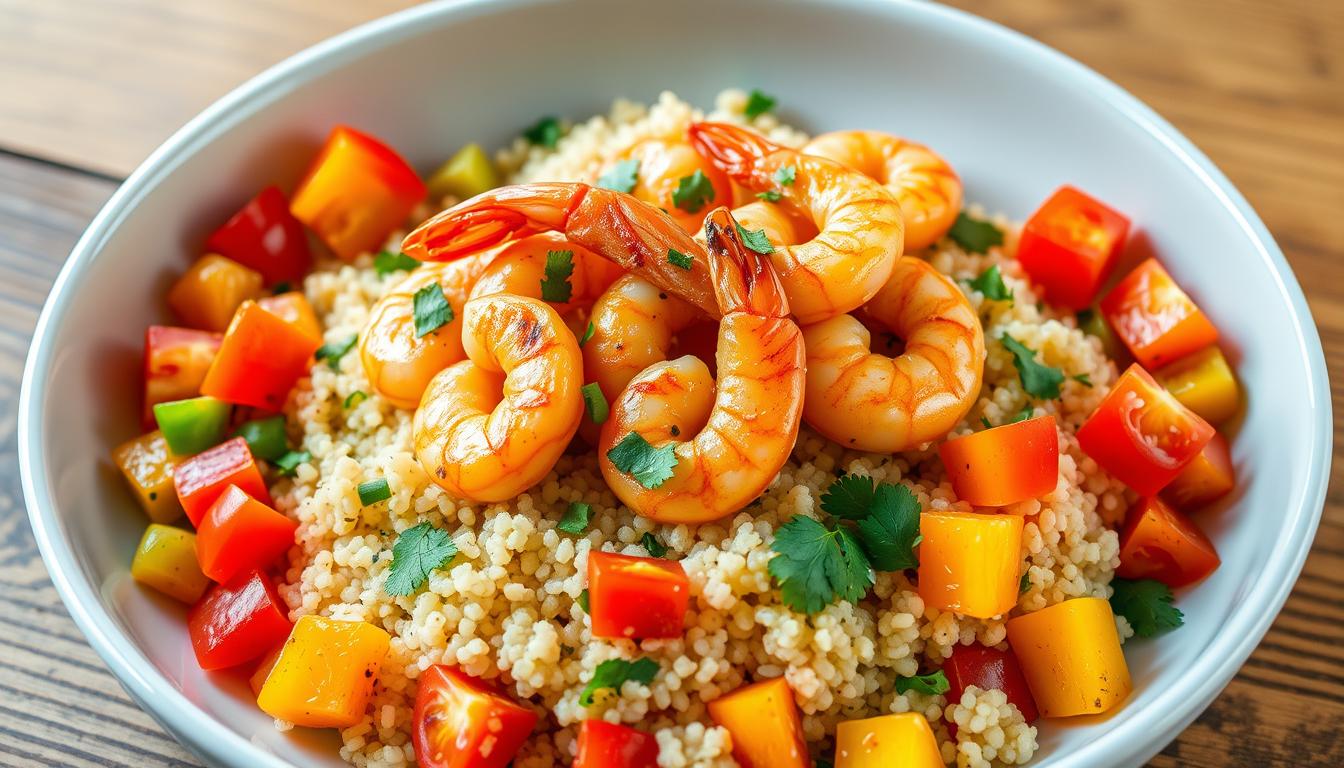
(872, 402)
(662, 167)
(729, 441)
(635, 324)
(927, 188)
(493, 425)
(859, 223)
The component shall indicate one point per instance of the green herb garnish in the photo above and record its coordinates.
(786, 175)
(575, 519)
(1082, 378)
(770, 195)
(678, 259)
(755, 239)
(387, 262)
(1040, 381)
(374, 491)
(594, 402)
(1147, 605)
(355, 398)
(758, 104)
(974, 235)
(287, 464)
(621, 177)
(431, 309)
(652, 545)
(613, 673)
(693, 192)
(583, 600)
(990, 284)
(545, 132)
(419, 551)
(333, 351)
(588, 334)
(555, 285)
(933, 684)
(650, 466)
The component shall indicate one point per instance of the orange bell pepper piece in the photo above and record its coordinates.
(1204, 383)
(1160, 543)
(325, 673)
(147, 463)
(890, 740)
(293, 308)
(1208, 478)
(211, 291)
(764, 723)
(1070, 655)
(970, 563)
(1005, 464)
(260, 359)
(258, 677)
(1157, 320)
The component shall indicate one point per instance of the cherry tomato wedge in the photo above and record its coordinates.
(1141, 434)
(1155, 318)
(988, 668)
(260, 359)
(608, 745)
(1160, 543)
(238, 621)
(636, 597)
(1069, 246)
(265, 236)
(356, 192)
(240, 533)
(176, 360)
(461, 722)
(1208, 478)
(201, 479)
(1005, 464)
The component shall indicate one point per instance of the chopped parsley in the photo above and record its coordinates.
(355, 398)
(1024, 583)
(786, 175)
(990, 284)
(1021, 415)
(652, 545)
(1146, 604)
(932, 684)
(286, 465)
(755, 239)
(1040, 381)
(575, 519)
(650, 466)
(678, 259)
(387, 262)
(333, 351)
(974, 235)
(693, 192)
(432, 310)
(770, 195)
(545, 132)
(583, 600)
(594, 402)
(1082, 378)
(621, 177)
(555, 285)
(374, 491)
(419, 551)
(758, 104)
(587, 334)
(613, 673)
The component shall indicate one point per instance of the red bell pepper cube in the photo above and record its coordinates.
(260, 359)
(201, 479)
(265, 236)
(240, 533)
(1160, 543)
(636, 597)
(988, 668)
(1070, 245)
(608, 745)
(176, 360)
(237, 622)
(1157, 320)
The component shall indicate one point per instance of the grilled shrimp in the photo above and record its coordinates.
(731, 440)
(859, 223)
(494, 424)
(872, 402)
(635, 325)
(927, 188)
(663, 166)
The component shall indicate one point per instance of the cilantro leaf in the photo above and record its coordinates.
(815, 565)
(693, 192)
(594, 402)
(652, 545)
(613, 673)
(849, 497)
(770, 195)
(387, 262)
(678, 259)
(985, 421)
(575, 519)
(890, 533)
(432, 310)
(286, 465)
(1024, 583)
(419, 551)
(1082, 378)
(545, 132)
(637, 457)
(621, 177)
(374, 491)
(755, 239)
(583, 600)
(555, 285)
(974, 235)
(1040, 381)
(932, 684)
(786, 175)
(758, 104)
(333, 351)
(588, 334)
(1146, 603)
(1021, 415)
(355, 398)
(990, 284)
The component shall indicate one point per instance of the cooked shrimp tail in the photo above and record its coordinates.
(493, 217)
(738, 152)
(743, 279)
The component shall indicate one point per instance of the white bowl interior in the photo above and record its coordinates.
(1013, 118)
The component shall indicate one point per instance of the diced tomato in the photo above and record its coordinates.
(636, 597)
(265, 236)
(1155, 318)
(1006, 464)
(356, 192)
(1160, 543)
(293, 308)
(1143, 435)
(608, 745)
(240, 533)
(176, 360)
(1208, 478)
(1069, 246)
(201, 479)
(461, 722)
(988, 668)
(260, 359)
(237, 622)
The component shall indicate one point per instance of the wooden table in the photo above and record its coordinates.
(91, 86)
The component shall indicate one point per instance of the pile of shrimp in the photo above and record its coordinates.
(711, 331)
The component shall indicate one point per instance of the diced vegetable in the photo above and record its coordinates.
(1141, 434)
(1070, 655)
(988, 668)
(763, 720)
(969, 562)
(293, 308)
(1207, 478)
(325, 673)
(356, 192)
(176, 360)
(1155, 318)
(608, 745)
(166, 561)
(466, 174)
(636, 597)
(201, 479)
(266, 237)
(211, 290)
(1006, 464)
(904, 740)
(147, 463)
(462, 722)
(191, 426)
(1204, 383)
(1070, 245)
(266, 437)
(239, 533)
(257, 680)
(237, 622)
(1092, 323)
(1160, 543)
(259, 360)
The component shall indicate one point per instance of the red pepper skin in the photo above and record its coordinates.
(608, 745)
(1070, 246)
(636, 597)
(236, 622)
(176, 360)
(240, 533)
(988, 668)
(201, 479)
(265, 236)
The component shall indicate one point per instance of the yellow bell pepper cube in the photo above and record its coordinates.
(880, 742)
(325, 673)
(1070, 654)
(166, 561)
(1204, 383)
(211, 291)
(466, 174)
(257, 680)
(763, 720)
(970, 563)
(293, 308)
(147, 463)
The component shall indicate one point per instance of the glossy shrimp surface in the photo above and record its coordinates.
(872, 402)
(729, 439)
(662, 166)
(635, 324)
(494, 424)
(926, 187)
(860, 230)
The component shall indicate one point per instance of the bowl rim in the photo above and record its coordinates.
(217, 743)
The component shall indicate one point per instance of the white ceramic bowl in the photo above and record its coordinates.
(1015, 118)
